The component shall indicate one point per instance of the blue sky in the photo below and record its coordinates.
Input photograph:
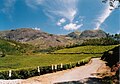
(58, 16)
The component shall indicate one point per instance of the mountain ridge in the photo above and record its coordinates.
(44, 40)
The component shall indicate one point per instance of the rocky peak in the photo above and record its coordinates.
(88, 34)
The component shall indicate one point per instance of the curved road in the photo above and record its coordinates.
(77, 75)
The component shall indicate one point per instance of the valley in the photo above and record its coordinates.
(24, 53)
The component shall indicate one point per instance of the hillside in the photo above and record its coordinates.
(36, 37)
(75, 34)
(43, 40)
(92, 34)
(9, 47)
(86, 49)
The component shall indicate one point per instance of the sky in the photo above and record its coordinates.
(59, 16)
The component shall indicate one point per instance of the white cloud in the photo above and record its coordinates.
(61, 21)
(36, 28)
(63, 8)
(72, 26)
(8, 6)
(76, 21)
(104, 15)
(33, 3)
(59, 24)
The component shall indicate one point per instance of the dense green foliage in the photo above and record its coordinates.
(14, 48)
(101, 41)
(111, 56)
(113, 60)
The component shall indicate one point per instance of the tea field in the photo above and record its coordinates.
(34, 60)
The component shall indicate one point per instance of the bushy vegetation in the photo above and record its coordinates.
(110, 40)
(101, 41)
(111, 56)
(10, 47)
(113, 61)
(30, 72)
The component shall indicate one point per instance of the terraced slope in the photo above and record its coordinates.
(86, 49)
(34, 60)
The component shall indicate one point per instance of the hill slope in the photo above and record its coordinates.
(36, 37)
(43, 40)
(89, 34)
(12, 47)
(75, 34)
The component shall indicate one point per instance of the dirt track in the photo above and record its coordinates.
(77, 74)
(82, 74)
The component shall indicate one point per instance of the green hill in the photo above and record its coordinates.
(13, 48)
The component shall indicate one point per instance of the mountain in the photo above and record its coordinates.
(21, 35)
(36, 37)
(43, 40)
(92, 34)
(75, 34)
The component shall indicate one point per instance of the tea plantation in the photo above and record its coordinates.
(25, 65)
(33, 60)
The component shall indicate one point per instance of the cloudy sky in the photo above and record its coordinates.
(58, 16)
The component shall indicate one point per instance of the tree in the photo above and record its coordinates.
(112, 3)
(117, 36)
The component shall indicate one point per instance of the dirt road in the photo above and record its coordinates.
(78, 74)
(86, 74)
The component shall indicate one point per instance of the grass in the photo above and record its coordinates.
(34, 60)
(87, 49)
(14, 62)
